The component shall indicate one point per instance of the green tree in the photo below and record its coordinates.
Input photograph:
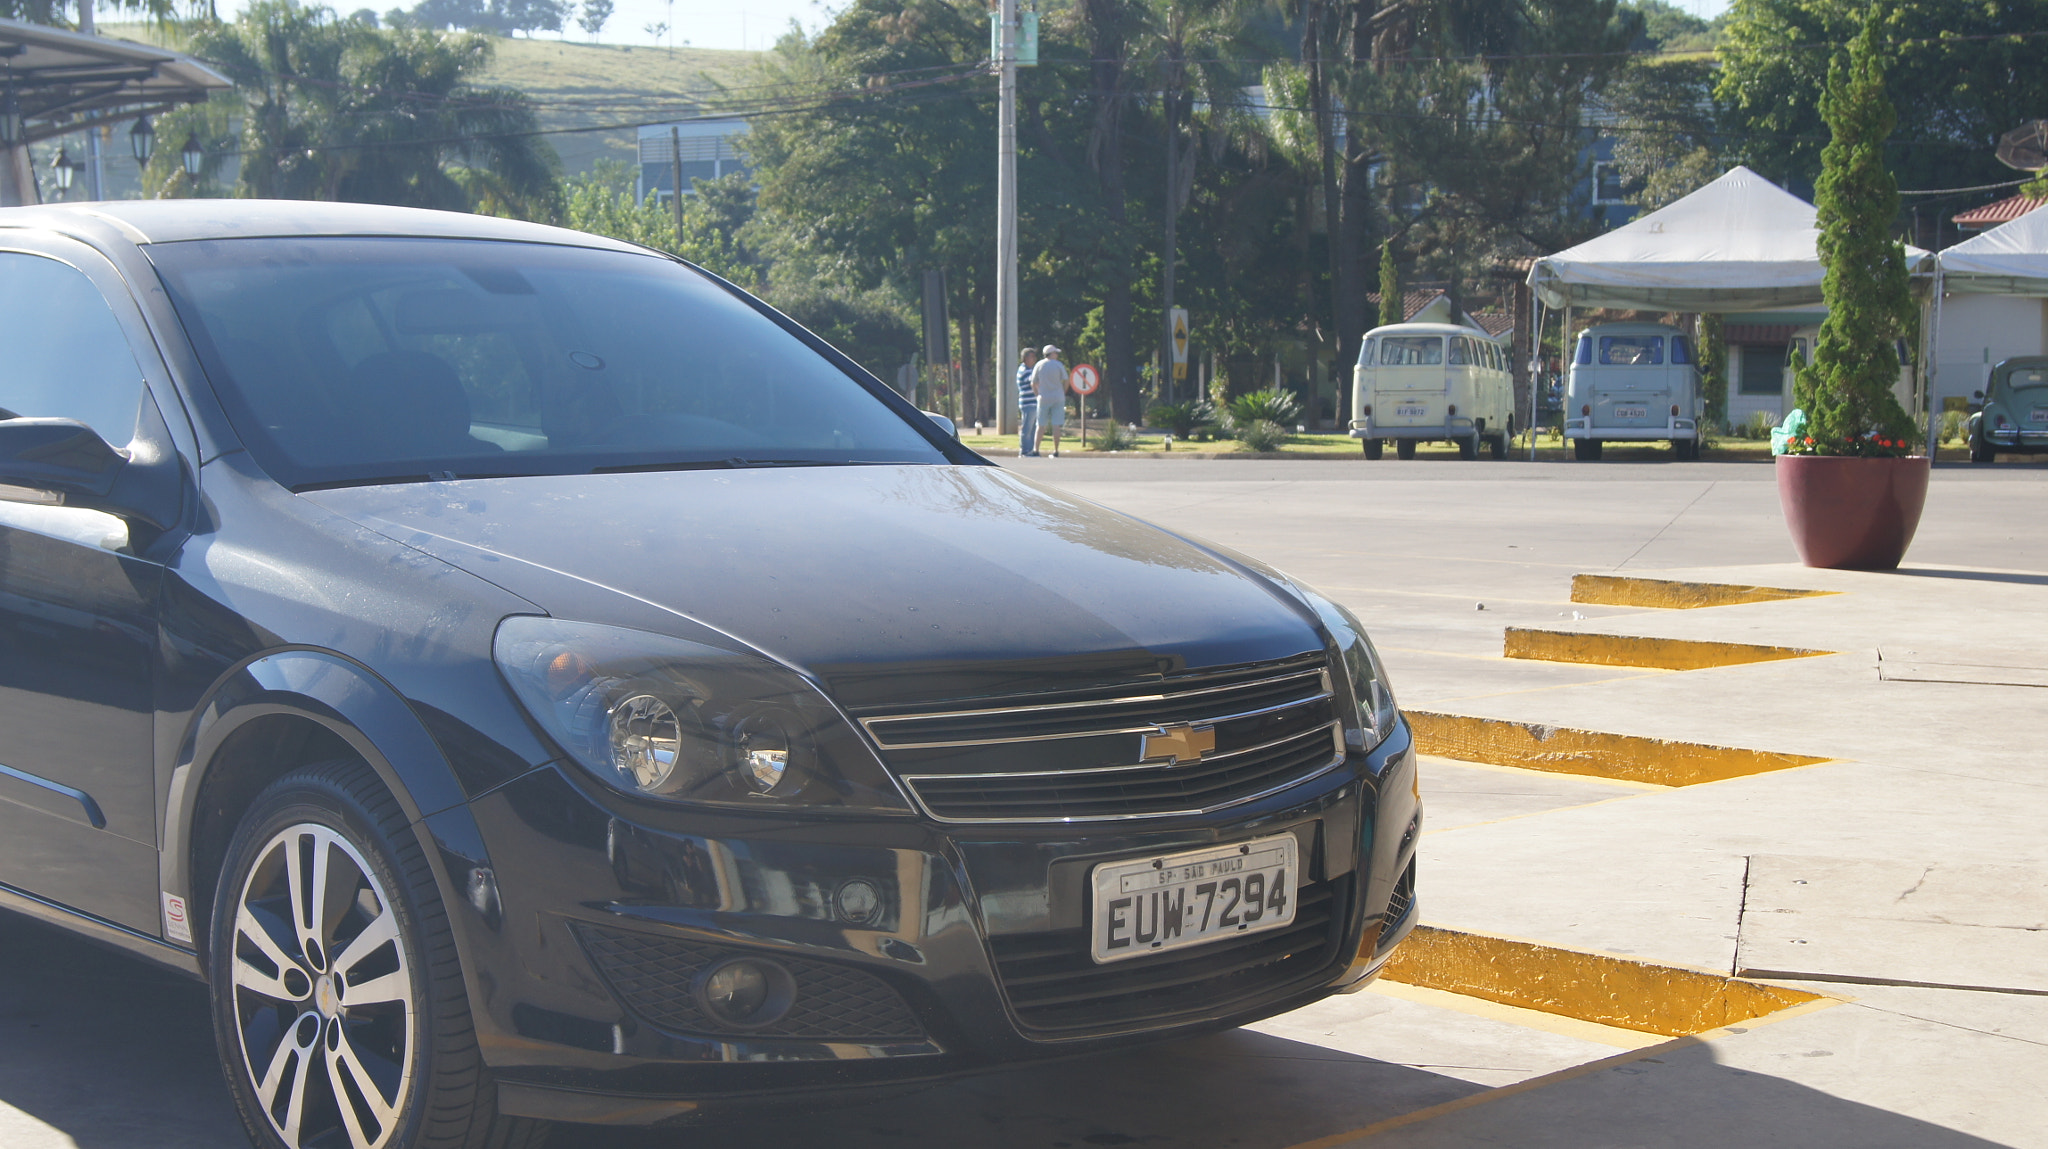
(1391, 303)
(1960, 73)
(1846, 392)
(1669, 141)
(601, 202)
(335, 110)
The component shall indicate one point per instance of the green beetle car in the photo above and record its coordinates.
(2015, 414)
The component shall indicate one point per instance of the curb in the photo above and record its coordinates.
(1607, 989)
(1561, 750)
(1664, 594)
(1639, 650)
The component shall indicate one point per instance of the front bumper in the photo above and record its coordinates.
(975, 957)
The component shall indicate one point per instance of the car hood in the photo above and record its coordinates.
(970, 579)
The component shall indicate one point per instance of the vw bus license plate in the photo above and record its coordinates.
(1407, 412)
(1174, 901)
(1631, 412)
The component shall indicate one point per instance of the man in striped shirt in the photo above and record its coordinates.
(1027, 405)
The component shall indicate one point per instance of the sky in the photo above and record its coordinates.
(746, 24)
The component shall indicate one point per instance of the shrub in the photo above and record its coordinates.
(1183, 420)
(1759, 425)
(1114, 436)
(1269, 406)
(1955, 426)
(1261, 434)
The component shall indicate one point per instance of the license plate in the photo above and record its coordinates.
(2040, 415)
(1410, 412)
(1631, 412)
(1174, 901)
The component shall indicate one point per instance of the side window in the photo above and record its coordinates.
(65, 356)
(1681, 351)
(1585, 354)
(1461, 349)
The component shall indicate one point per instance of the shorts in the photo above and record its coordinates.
(1051, 414)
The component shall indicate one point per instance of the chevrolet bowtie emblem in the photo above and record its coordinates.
(1178, 743)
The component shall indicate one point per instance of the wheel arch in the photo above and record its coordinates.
(287, 709)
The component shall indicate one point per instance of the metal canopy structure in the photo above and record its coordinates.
(66, 82)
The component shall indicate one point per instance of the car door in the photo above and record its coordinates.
(77, 611)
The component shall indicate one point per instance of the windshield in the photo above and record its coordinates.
(2033, 379)
(352, 360)
(1411, 350)
(1632, 350)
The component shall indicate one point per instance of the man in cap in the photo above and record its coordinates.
(1049, 379)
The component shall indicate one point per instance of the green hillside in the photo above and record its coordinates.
(578, 85)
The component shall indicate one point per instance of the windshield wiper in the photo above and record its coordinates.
(734, 462)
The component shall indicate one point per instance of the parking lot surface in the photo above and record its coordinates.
(1903, 877)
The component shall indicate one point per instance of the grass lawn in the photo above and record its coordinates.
(1549, 447)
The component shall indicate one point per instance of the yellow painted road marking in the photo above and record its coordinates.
(1561, 750)
(1607, 989)
(1671, 594)
(1515, 1015)
(1639, 650)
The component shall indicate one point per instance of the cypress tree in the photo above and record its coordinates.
(1846, 391)
(1391, 308)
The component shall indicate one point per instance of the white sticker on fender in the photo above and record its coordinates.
(177, 927)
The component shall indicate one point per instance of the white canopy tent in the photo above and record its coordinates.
(2010, 259)
(1741, 243)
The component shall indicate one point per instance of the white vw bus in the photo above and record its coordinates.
(1633, 381)
(1417, 381)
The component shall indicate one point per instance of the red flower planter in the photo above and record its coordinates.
(1852, 514)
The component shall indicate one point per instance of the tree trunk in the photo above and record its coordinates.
(1107, 44)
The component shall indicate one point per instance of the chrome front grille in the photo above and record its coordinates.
(1184, 744)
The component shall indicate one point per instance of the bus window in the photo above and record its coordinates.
(1632, 350)
(1365, 353)
(1412, 351)
(1461, 350)
(1585, 355)
(1680, 352)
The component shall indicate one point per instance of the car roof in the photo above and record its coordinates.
(1633, 328)
(175, 220)
(1428, 329)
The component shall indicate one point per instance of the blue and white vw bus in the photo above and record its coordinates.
(1633, 381)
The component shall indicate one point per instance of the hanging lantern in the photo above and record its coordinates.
(193, 156)
(64, 169)
(142, 139)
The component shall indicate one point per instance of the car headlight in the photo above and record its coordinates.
(1368, 688)
(669, 718)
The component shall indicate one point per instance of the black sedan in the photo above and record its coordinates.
(529, 679)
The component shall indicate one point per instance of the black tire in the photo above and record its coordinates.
(1468, 447)
(1374, 448)
(308, 1013)
(1498, 445)
(1404, 448)
(1586, 450)
(1681, 450)
(1981, 452)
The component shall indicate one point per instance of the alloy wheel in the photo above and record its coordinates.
(323, 993)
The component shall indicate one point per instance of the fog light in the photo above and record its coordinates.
(745, 993)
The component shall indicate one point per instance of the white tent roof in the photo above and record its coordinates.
(2010, 259)
(1740, 243)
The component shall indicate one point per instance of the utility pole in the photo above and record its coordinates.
(675, 167)
(94, 189)
(1006, 221)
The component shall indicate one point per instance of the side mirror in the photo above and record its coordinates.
(944, 423)
(1977, 395)
(61, 459)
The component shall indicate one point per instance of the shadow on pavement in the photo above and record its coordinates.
(1682, 1097)
(1240, 1089)
(1977, 576)
(111, 1051)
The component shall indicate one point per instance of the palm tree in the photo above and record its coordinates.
(336, 110)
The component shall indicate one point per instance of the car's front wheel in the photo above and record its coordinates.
(338, 1001)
